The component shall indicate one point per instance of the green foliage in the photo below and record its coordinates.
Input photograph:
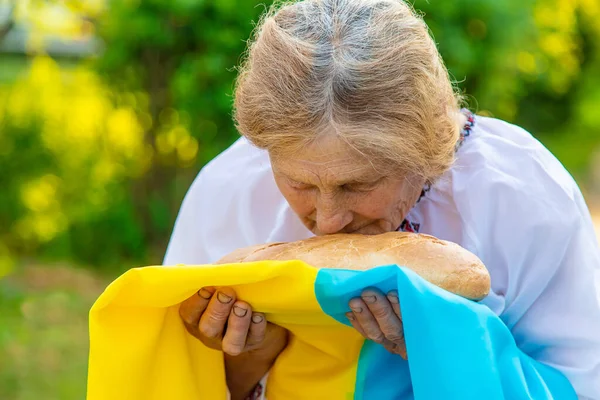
(182, 54)
(101, 153)
(533, 63)
(70, 153)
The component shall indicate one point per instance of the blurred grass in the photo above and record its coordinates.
(44, 332)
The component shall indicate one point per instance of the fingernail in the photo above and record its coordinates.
(223, 298)
(257, 319)
(205, 294)
(350, 316)
(393, 297)
(369, 299)
(239, 311)
(356, 309)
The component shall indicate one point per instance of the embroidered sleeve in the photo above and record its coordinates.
(256, 393)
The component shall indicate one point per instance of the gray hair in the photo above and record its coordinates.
(369, 69)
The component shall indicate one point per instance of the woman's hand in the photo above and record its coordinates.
(224, 323)
(250, 343)
(377, 317)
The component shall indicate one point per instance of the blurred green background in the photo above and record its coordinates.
(108, 109)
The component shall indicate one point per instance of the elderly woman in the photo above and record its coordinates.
(350, 123)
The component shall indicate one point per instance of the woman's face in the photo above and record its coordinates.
(334, 189)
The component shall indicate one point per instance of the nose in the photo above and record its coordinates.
(332, 217)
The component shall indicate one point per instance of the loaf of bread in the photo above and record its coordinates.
(440, 262)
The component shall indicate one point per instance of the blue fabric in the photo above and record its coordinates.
(457, 349)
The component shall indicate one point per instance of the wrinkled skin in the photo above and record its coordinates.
(332, 189)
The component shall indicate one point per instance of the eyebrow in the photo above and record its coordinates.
(339, 182)
(363, 181)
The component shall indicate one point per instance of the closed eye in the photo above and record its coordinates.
(354, 187)
(299, 185)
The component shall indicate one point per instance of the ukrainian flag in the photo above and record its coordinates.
(457, 349)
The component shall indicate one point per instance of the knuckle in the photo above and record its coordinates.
(377, 337)
(233, 345)
(395, 349)
(218, 314)
(256, 338)
(232, 351)
(393, 331)
(395, 337)
(236, 339)
(185, 314)
(258, 330)
(208, 331)
(186, 319)
(189, 327)
(381, 312)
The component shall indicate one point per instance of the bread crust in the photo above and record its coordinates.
(443, 263)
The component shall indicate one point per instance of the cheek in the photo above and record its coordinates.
(375, 205)
(301, 201)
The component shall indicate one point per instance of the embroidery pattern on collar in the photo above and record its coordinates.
(465, 132)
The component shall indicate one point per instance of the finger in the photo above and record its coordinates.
(396, 348)
(212, 321)
(367, 321)
(386, 318)
(238, 324)
(257, 331)
(192, 308)
(355, 323)
(395, 302)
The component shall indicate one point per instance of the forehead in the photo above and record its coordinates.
(327, 155)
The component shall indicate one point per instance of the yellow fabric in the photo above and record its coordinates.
(139, 348)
